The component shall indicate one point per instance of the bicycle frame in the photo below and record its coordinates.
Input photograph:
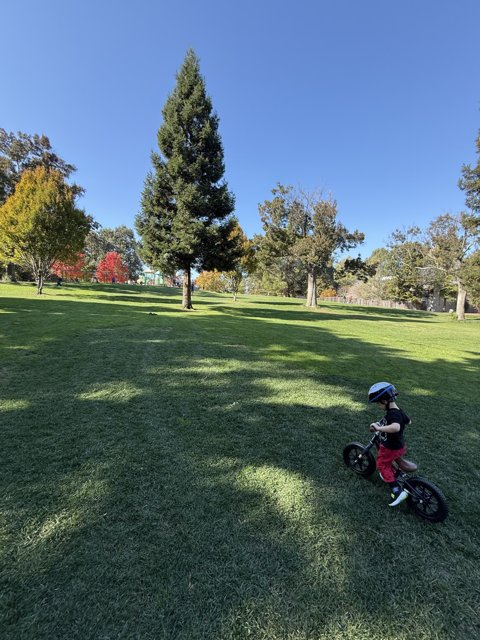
(426, 499)
(401, 476)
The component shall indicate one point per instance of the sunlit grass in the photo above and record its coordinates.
(170, 474)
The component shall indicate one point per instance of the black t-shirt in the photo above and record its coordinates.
(395, 440)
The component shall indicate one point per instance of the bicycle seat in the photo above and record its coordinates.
(406, 465)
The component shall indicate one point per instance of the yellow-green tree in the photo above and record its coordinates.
(244, 262)
(210, 281)
(40, 223)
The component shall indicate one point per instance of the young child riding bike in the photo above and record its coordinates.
(391, 428)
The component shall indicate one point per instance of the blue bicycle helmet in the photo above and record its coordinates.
(382, 391)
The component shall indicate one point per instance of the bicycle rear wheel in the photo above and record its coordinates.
(426, 500)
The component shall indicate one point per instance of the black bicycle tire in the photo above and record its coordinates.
(421, 509)
(363, 472)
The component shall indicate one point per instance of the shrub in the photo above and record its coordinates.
(328, 293)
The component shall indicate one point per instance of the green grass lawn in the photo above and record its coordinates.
(170, 474)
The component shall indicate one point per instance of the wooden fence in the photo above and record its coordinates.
(389, 304)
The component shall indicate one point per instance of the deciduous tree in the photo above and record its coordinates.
(74, 268)
(470, 183)
(95, 250)
(304, 226)
(404, 266)
(40, 223)
(210, 281)
(279, 271)
(451, 240)
(122, 240)
(471, 274)
(244, 263)
(112, 268)
(22, 151)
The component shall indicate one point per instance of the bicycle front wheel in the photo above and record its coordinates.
(358, 460)
(426, 500)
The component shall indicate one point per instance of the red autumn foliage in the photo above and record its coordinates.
(112, 267)
(70, 271)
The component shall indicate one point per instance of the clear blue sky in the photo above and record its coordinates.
(375, 101)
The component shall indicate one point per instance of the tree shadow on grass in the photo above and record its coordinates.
(117, 298)
(116, 294)
(321, 313)
(346, 308)
(170, 482)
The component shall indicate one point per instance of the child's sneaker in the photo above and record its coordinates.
(398, 497)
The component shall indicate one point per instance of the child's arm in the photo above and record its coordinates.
(388, 428)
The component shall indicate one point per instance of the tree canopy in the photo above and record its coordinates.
(40, 224)
(121, 240)
(470, 182)
(403, 265)
(112, 268)
(450, 241)
(302, 230)
(22, 151)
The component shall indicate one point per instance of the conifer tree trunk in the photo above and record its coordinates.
(187, 289)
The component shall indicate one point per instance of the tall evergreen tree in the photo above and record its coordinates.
(185, 220)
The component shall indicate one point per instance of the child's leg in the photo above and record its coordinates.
(385, 457)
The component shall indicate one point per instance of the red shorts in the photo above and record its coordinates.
(385, 458)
